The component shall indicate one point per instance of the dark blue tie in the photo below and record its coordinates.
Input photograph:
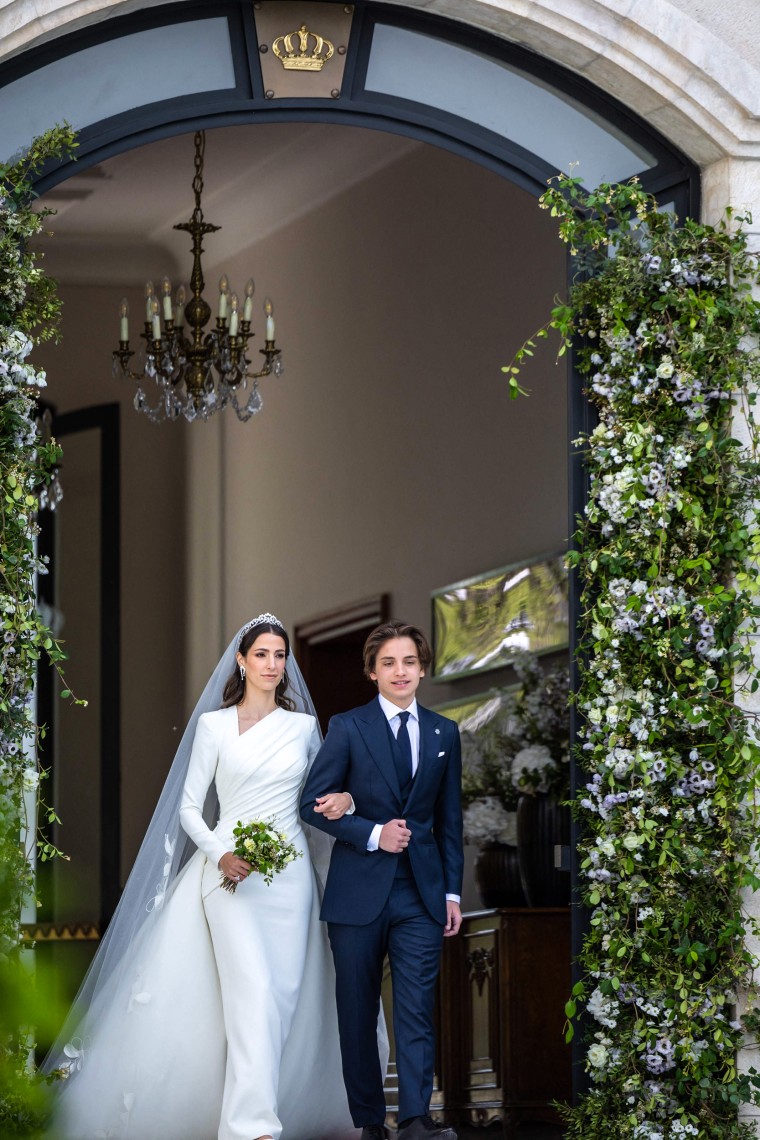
(403, 741)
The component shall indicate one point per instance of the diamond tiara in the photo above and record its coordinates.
(262, 619)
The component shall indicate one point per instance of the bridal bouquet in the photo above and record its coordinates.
(265, 848)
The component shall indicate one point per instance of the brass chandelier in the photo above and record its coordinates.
(196, 373)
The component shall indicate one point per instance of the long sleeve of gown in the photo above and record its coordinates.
(200, 773)
(315, 743)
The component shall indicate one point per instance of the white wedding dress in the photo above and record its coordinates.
(225, 1024)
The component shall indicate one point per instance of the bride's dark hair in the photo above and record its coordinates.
(234, 689)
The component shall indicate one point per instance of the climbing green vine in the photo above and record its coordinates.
(664, 327)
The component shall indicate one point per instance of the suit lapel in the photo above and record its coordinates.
(373, 727)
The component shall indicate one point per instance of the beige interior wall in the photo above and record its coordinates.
(152, 572)
(389, 458)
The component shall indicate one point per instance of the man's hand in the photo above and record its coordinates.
(395, 836)
(333, 806)
(453, 919)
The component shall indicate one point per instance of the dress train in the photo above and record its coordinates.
(154, 1067)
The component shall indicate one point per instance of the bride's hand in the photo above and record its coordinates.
(333, 806)
(233, 867)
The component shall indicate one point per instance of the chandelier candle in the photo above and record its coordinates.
(196, 372)
(166, 289)
(248, 303)
(224, 289)
(155, 321)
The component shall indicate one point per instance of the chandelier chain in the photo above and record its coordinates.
(200, 152)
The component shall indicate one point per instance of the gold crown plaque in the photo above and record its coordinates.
(303, 60)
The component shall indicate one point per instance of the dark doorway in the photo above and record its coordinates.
(89, 513)
(329, 652)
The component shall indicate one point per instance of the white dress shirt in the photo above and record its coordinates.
(413, 727)
(393, 713)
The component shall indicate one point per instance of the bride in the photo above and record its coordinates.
(208, 1013)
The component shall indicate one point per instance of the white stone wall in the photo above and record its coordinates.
(735, 23)
(690, 67)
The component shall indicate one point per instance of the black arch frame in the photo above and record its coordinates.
(673, 174)
(104, 419)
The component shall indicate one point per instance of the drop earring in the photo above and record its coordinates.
(242, 672)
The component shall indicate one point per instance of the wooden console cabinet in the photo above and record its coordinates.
(501, 1054)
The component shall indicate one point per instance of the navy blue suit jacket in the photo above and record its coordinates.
(357, 757)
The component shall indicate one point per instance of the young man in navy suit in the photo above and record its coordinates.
(395, 875)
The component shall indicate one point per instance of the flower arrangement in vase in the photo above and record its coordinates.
(515, 765)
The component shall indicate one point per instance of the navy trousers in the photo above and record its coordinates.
(405, 931)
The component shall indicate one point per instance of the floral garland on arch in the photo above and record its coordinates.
(665, 329)
(28, 310)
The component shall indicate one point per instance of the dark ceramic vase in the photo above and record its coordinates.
(542, 825)
(497, 873)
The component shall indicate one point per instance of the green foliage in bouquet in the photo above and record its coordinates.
(665, 329)
(28, 310)
(264, 847)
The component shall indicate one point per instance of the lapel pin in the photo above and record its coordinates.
(438, 732)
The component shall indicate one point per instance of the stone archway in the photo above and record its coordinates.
(677, 65)
(702, 95)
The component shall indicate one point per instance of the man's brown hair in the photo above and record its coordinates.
(387, 632)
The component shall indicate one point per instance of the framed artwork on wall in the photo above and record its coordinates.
(480, 623)
(474, 713)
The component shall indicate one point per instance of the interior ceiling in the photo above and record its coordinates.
(113, 222)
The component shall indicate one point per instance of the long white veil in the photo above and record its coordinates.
(163, 853)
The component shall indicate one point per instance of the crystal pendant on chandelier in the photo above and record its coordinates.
(190, 372)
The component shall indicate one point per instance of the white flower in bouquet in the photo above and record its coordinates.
(486, 820)
(265, 849)
(531, 768)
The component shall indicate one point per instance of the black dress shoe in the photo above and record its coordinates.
(374, 1132)
(425, 1128)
